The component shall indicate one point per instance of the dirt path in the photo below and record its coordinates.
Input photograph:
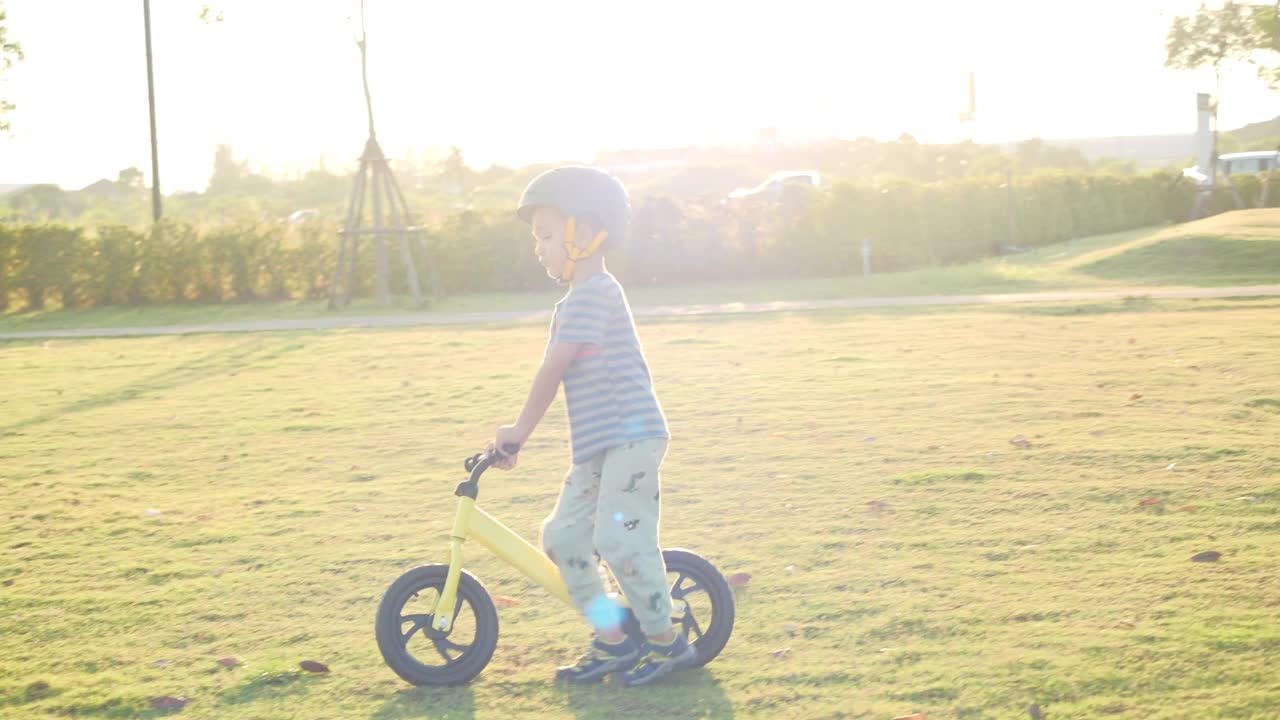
(481, 318)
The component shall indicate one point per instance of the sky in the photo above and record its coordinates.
(559, 80)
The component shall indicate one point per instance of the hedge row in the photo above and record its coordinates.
(799, 233)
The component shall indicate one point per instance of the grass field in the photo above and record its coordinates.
(1237, 248)
(172, 501)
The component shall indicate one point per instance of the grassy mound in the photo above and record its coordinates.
(1236, 248)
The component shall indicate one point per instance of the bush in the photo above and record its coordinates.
(48, 258)
(799, 232)
(113, 265)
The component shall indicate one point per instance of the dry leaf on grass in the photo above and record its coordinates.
(781, 653)
(503, 601)
(168, 702)
(1135, 396)
(1020, 440)
(1150, 501)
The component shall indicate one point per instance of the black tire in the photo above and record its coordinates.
(394, 641)
(692, 576)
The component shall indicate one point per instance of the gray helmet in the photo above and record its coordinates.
(586, 193)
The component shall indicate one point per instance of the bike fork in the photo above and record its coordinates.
(442, 614)
(447, 604)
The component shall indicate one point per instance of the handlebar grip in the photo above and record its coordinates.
(471, 462)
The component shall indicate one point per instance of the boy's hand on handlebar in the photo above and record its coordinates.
(506, 446)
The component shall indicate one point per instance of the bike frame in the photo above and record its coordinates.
(472, 522)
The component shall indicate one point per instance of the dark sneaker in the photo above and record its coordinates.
(600, 660)
(660, 661)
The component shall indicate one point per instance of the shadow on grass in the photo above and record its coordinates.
(1130, 305)
(442, 703)
(268, 686)
(692, 694)
(241, 355)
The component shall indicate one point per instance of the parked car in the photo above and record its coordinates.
(777, 181)
(1240, 163)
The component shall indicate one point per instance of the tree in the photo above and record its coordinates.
(130, 177)
(454, 171)
(10, 52)
(231, 176)
(1213, 38)
(1266, 21)
(1034, 154)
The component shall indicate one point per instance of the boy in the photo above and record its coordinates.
(608, 508)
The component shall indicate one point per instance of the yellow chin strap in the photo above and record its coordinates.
(576, 253)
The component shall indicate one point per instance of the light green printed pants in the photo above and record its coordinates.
(609, 509)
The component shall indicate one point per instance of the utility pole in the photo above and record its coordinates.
(151, 100)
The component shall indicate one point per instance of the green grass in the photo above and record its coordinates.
(296, 475)
(1236, 248)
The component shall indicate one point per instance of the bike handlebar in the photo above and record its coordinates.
(476, 465)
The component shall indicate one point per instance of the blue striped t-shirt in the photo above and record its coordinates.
(607, 388)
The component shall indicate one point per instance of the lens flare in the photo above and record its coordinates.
(604, 612)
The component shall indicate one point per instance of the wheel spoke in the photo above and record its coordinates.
(419, 622)
(675, 586)
(679, 593)
(451, 645)
(437, 642)
(691, 623)
(442, 644)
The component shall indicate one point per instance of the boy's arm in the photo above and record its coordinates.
(545, 386)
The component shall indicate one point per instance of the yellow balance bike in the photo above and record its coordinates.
(437, 625)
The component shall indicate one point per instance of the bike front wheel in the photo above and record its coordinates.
(425, 656)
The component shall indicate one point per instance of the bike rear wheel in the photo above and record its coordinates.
(708, 613)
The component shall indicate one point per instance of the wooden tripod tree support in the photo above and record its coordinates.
(376, 187)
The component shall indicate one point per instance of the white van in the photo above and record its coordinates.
(1248, 162)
